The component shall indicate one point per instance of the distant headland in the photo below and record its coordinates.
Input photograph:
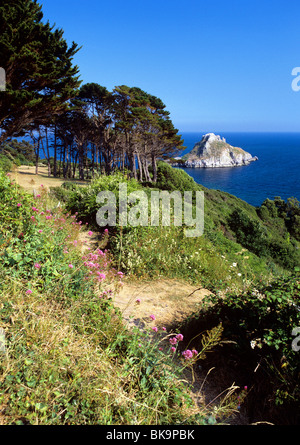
(213, 151)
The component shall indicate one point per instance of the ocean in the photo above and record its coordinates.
(276, 173)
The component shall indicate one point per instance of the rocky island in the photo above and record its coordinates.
(214, 151)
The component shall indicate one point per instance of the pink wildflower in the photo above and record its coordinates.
(19, 205)
(173, 341)
(179, 337)
(71, 266)
(138, 300)
(152, 317)
(173, 349)
(187, 354)
(154, 328)
(37, 266)
(28, 292)
(40, 231)
(90, 233)
(102, 276)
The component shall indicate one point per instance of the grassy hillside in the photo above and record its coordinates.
(68, 357)
(241, 244)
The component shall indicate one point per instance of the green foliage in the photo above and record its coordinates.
(69, 359)
(261, 321)
(171, 179)
(38, 63)
(64, 192)
(5, 163)
(249, 233)
(283, 214)
(19, 152)
(269, 240)
(83, 200)
(258, 326)
(230, 226)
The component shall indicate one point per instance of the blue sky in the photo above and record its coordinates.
(222, 65)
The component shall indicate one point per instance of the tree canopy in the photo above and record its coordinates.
(88, 128)
(40, 76)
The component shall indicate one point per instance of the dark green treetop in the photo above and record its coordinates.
(40, 76)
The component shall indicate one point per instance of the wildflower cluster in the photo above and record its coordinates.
(189, 354)
(173, 340)
(98, 266)
(44, 245)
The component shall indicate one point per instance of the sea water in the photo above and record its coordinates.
(276, 173)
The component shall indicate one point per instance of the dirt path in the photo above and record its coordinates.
(25, 176)
(169, 300)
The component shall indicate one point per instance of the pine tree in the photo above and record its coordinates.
(40, 76)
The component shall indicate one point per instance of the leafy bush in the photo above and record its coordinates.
(251, 234)
(19, 152)
(169, 178)
(83, 200)
(260, 322)
(5, 164)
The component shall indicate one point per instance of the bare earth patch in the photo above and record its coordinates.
(169, 300)
(25, 176)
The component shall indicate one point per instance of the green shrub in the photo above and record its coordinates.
(169, 178)
(83, 200)
(249, 233)
(5, 164)
(260, 323)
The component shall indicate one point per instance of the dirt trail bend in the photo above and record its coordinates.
(170, 300)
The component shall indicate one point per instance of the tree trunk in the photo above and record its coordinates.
(154, 166)
(55, 153)
(65, 168)
(74, 165)
(48, 154)
(37, 155)
(146, 171)
(140, 167)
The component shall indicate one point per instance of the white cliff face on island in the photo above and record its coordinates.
(214, 151)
